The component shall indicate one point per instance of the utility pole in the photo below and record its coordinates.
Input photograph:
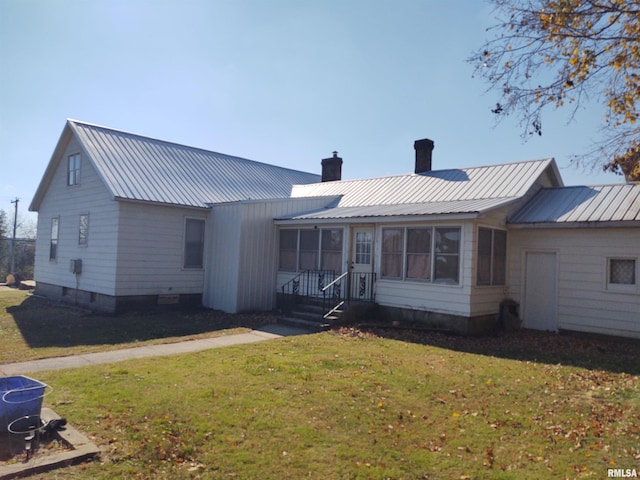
(13, 241)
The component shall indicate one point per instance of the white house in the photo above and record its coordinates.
(574, 256)
(127, 220)
(129, 215)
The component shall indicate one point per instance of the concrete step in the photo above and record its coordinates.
(317, 325)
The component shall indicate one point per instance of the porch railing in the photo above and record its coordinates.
(330, 288)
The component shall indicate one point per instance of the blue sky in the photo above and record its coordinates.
(278, 81)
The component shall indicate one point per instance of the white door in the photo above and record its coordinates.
(540, 291)
(361, 285)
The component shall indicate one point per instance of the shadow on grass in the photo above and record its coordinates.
(46, 324)
(590, 352)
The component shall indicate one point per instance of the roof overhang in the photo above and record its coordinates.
(414, 212)
(558, 225)
(378, 219)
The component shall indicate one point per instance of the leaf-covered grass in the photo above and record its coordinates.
(349, 405)
(32, 327)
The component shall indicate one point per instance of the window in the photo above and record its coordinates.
(309, 243)
(492, 257)
(53, 245)
(418, 254)
(447, 256)
(622, 271)
(194, 243)
(331, 256)
(363, 248)
(73, 169)
(310, 249)
(83, 231)
(431, 254)
(392, 246)
(288, 249)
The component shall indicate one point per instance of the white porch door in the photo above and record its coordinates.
(361, 264)
(540, 291)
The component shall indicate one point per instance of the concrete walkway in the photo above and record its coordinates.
(57, 363)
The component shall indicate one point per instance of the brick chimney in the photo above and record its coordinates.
(423, 149)
(332, 168)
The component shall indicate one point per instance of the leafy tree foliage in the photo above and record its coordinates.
(24, 255)
(559, 53)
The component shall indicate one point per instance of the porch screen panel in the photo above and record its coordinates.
(309, 245)
(288, 250)
(331, 250)
(418, 253)
(499, 257)
(447, 256)
(392, 250)
(484, 256)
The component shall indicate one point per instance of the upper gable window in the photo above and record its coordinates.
(73, 169)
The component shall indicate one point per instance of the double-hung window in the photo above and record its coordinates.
(83, 231)
(428, 254)
(194, 243)
(73, 169)
(53, 242)
(492, 257)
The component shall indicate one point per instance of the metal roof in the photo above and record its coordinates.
(141, 168)
(458, 207)
(581, 204)
(456, 191)
(511, 180)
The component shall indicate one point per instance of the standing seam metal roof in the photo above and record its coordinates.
(508, 181)
(142, 168)
(581, 204)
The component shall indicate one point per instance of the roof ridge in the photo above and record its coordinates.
(181, 145)
(426, 174)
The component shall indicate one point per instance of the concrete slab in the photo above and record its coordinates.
(58, 363)
(80, 448)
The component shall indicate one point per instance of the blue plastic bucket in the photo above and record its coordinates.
(19, 397)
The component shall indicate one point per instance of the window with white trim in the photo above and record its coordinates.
(83, 230)
(429, 254)
(310, 249)
(622, 274)
(53, 242)
(73, 169)
(194, 243)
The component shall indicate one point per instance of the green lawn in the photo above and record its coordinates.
(357, 405)
(32, 327)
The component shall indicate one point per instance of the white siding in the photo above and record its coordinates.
(486, 299)
(223, 258)
(584, 302)
(242, 254)
(151, 251)
(68, 203)
(449, 299)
